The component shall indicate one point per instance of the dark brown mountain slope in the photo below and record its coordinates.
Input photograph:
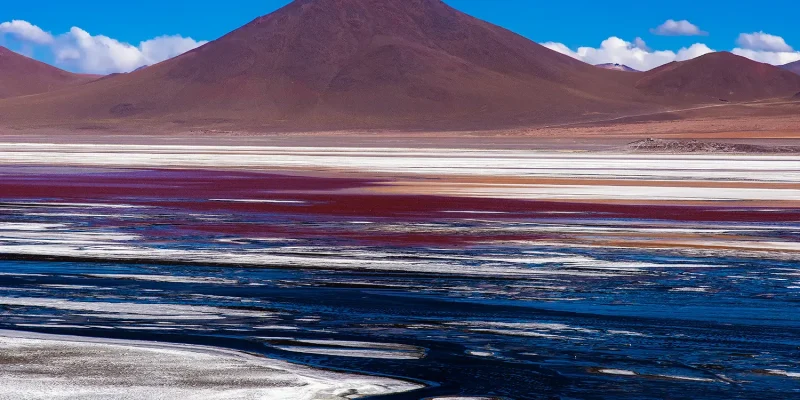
(333, 64)
(20, 75)
(719, 76)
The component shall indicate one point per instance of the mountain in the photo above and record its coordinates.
(793, 67)
(20, 76)
(351, 64)
(721, 76)
(616, 67)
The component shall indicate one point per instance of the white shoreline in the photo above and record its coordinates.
(69, 367)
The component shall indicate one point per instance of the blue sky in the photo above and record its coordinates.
(571, 23)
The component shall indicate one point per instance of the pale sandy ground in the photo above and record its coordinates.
(761, 123)
(49, 367)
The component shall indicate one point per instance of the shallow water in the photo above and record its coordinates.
(516, 300)
(478, 336)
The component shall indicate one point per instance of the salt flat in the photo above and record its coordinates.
(37, 366)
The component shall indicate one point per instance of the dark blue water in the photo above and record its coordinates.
(653, 335)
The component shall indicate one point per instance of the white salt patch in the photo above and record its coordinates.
(135, 311)
(304, 257)
(72, 287)
(277, 327)
(54, 326)
(690, 289)
(625, 333)
(686, 378)
(308, 319)
(524, 326)
(29, 226)
(473, 212)
(784, 373)
(452, 162)
(123, 370)
(20, 274)
(344, 348)
(259, 201)
(167, 278)
(609, 192)
(522, 333)
(621, 372)
(480, 353)
(353, 353)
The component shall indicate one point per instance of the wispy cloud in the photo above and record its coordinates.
(678, 28)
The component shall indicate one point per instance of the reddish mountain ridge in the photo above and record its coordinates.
(20, 76)
(338, 64)
(386, 64)
(720, 76)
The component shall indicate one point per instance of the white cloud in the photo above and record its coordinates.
(693, 51)
(100, 54)
(25, 31)
(678, 28)
(81, 51)
(766, 48)
(165, 47)
(769, 57)
(634, 54)
(761, 41)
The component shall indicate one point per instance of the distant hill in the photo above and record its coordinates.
(793, 67)
(617, 67)
(721, 76)
(20, 76)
